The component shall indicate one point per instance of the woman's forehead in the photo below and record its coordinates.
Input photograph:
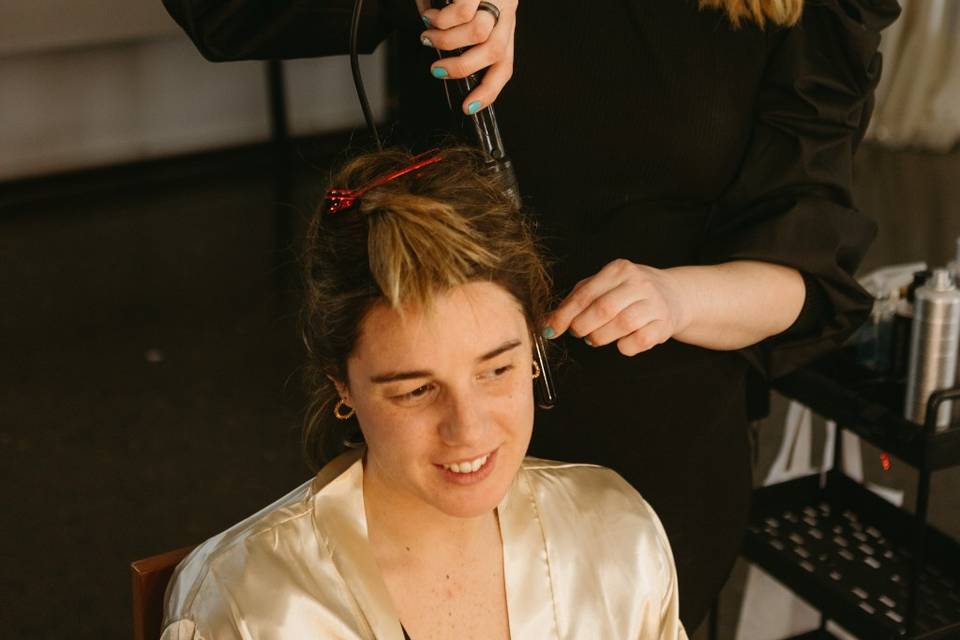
(468, 321)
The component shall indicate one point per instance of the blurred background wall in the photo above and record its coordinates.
(92, 82)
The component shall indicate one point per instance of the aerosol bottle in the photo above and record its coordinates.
(902, 326)
(934, 343)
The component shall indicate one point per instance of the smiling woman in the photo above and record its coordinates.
(424, 287)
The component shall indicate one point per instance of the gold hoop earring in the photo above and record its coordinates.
(536, 369)
(342, 416)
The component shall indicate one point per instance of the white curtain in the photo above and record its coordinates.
(918, 99)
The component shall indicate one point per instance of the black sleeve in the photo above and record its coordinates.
(282, 29)
(791, 203)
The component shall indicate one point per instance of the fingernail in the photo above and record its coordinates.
(587, 340)
(548, 332)
(425, 41)
(473, 107)
(426, 20)
(439, 72)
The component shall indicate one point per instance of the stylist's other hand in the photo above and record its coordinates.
(461, 25)
(636, 306)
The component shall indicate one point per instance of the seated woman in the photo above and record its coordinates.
(424, 287)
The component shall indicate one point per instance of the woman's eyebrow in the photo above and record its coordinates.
(401, 375)
(506, 346)
(426, 373)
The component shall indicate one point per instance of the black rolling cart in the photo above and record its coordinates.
(876, 570)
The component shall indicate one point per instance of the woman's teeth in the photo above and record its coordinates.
(467, 467)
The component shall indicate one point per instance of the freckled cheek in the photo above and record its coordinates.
(515, 411)
(401, 434)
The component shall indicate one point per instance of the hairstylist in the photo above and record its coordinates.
(690, 164)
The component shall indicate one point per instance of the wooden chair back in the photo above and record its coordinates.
(150, 577)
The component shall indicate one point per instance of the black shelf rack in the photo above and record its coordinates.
(850, 554)
(878, 571)
(872, 407)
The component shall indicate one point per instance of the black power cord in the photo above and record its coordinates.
(355, 69)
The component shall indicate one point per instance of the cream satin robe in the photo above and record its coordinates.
(584, 557)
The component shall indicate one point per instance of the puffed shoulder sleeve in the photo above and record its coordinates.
(279, 29)
(791, 202)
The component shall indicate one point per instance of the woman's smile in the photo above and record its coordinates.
(469, 471)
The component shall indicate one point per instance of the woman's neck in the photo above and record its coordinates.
(401, 524)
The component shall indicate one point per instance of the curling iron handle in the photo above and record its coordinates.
(485, 121)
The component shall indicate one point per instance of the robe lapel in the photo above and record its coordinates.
(530, 603)
(344, 529)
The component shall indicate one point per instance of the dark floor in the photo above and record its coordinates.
(150, 393)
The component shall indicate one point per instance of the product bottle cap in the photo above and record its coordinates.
(940, 280)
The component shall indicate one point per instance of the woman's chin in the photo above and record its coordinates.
(469, 495)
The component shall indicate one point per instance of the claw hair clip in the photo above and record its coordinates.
(337, 200)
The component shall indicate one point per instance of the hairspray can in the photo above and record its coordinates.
(934, 342)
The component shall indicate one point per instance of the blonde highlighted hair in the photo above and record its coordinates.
(785, 13)
(406, 241)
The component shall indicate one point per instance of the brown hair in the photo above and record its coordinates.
(784, 13)
(444, 225)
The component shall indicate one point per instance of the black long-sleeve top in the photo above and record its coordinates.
(647, 130)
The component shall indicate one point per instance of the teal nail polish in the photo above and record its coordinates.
(439, 72)
(473, 107)
(425, 41)
(548, 332)
(587, 340)
(426, 20)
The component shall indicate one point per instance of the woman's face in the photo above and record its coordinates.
(444, 398)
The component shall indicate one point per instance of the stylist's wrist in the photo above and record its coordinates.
(688, 295)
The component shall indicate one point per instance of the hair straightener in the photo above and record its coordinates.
(487, 137)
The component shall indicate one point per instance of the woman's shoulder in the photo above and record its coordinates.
(229, 551)
(578, 477)
(273, 542)
(592, 490)
(599, 531)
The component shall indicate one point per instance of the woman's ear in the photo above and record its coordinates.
(342, 390)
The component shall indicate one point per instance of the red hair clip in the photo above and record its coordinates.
(337, 200)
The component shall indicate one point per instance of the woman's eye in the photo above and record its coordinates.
(499, 372)
(416, 394)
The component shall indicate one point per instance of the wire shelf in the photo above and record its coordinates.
(847, 552)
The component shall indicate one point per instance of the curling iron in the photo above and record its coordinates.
(487, 136)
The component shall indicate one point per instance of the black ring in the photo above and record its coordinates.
(490, 8)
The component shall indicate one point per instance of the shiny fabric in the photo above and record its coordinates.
(584, 557)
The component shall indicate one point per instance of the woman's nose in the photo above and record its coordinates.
(465, 421)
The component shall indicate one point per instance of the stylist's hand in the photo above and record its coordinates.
(461, 25)
(636, 306)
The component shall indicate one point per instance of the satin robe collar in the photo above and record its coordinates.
(341, 525)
